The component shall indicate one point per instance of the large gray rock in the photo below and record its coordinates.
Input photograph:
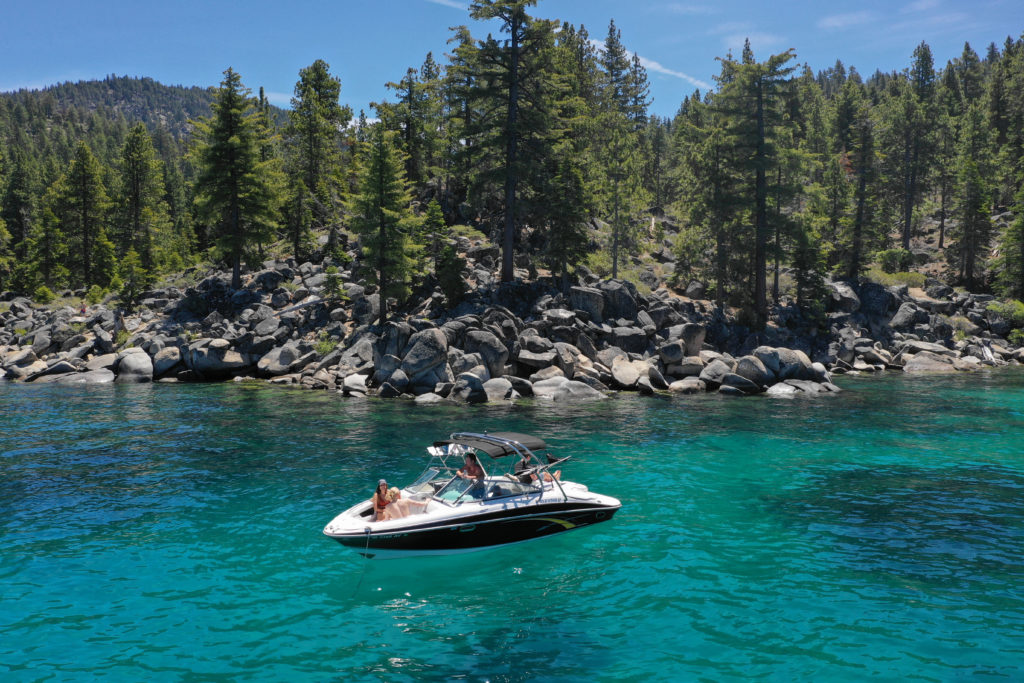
(23, 357)
(751, 368)
(266, 326)
(531, 341)
(61, 367)
(693, 335)
(691, 366)
(107, 361)
(279, 361)
(103, 376)
(468, 389)
(566, 358)
(632, 339)
(20, 372)
(590, 300)
(561, 389)
(731, 379)
(876, 300)
(536, 360)
(625, 373)
(928, 362)
(41, 342)
(498, 389)
(428, 350)
(165, 359)
(794, 364)
(134, 366)
(909, 315)
(355, 385)
(688, 385)
(656, 379)
(491, 349)
(430, 398)
(769, 357)
(214, 359)
(103, 343)
(913, 346)
(714, 372)
(672, 352)
(843, 298)
(782, 390)
(619, 300)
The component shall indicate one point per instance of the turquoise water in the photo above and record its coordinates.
(165, 533)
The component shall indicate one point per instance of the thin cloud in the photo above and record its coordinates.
(843, 21)
(451, 3)
(652, 65)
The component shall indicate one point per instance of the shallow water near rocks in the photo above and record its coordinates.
(169, 532)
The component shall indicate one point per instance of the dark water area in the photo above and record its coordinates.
(174, 532)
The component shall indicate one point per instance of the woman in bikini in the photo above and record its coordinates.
(389, 504)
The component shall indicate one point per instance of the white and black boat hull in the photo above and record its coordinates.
(475, 532)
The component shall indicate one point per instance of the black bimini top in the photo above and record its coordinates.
(497, 444)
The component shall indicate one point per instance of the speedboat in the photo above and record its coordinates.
(520, 497)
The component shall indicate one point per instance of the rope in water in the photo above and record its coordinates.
(365, 560)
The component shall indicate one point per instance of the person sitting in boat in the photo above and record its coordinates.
(471, 469)
(527, 475)
(389, 504)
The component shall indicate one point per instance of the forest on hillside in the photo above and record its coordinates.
(539, 136)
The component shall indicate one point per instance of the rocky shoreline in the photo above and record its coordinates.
(501, 343)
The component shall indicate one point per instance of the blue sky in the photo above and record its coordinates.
(370, 42)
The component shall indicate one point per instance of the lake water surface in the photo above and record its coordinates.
(165, 533)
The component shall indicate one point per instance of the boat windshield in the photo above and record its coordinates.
(457, 487)
(430, 481)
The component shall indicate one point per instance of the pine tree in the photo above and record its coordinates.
(567, 234)
(314, 141)
(435, 231)
(20, 201)
(141, 206)
(83, 210)
(969, 247)
(297, 218)
(623, 93)
(382, 217)
(752, 104)
(46, 248)
(1010, 280)
(709, 190)
(233, 190)
(508, 59)
(134, 278)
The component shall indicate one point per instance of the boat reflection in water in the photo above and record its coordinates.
(519, 497)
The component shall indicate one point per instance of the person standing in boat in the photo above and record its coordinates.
(471, 469)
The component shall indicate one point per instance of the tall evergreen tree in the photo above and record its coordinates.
(567, 234)
(753, 105)
(83, 208)
(21, 199)
(141, 210)
(233, 190)
(516, 23)
(435, 231)
(1010, 280)
(968, 249)
(314, 141)
(382, 217)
